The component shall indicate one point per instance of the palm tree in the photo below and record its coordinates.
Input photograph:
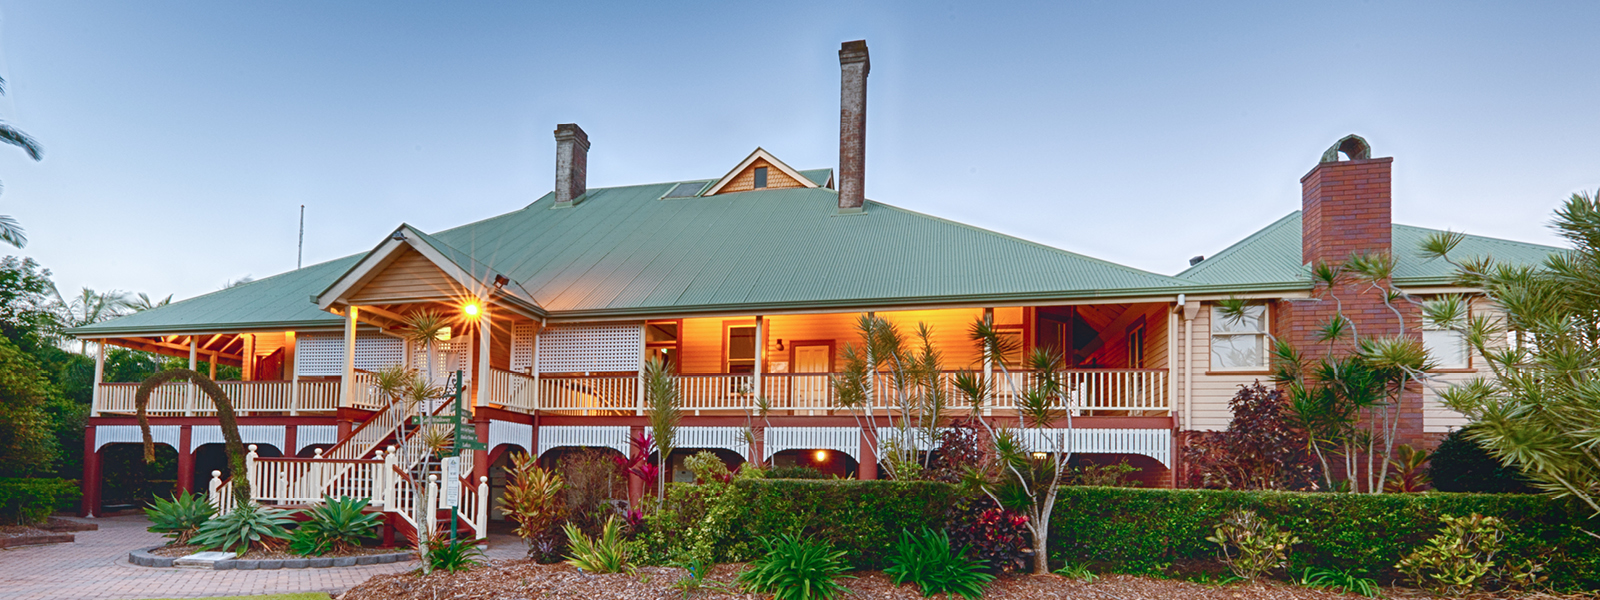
(10, 230)
(424, 328)
(143, 302)
(87, 308)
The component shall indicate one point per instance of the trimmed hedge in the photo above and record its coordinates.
(1145, 530)
(29, 501)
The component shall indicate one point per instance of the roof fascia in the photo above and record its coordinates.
(363, 271)
(256, 327)
(761, 154)
(373, 263)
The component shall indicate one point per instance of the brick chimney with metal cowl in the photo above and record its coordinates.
(572, 164)
(853, 67)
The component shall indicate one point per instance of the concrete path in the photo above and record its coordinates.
(96, 567)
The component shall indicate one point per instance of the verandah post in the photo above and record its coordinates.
(189, 389)
(347, 374)
(97, 399)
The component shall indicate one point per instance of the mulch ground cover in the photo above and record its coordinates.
(268, 554)
(522, 579)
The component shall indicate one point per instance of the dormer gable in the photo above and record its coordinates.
(760, 170)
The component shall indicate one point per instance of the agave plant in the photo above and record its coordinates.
(179, 518)
(247, 526)
(336, 525)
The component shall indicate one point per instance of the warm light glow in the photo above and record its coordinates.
(470, 309)
(1039, 455)
(821, 456)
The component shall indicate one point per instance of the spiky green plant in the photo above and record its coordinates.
(794, 569)
(661, 400)
(333, 526)
(607, 553)
(178, 519)
(532, 499)
(248, 525)
(927, 560)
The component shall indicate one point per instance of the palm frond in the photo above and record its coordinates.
(11, 232)
(16, 137)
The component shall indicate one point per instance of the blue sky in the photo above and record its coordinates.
(182, 137)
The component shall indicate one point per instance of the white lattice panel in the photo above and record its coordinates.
(506, 432)
(319, 354)
(129, 434)
(201, 435)
(590, 348)
(579, 436)
(322, 353)
(842, 439)
(914, 437)
(522, 339)
(726, 438)
(310, 435)
(449, 356)
(1154, 443)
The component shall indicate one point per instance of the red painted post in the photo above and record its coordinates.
(185, 459)
(480, 458)
(868, 469)
(91, 475)
(635, 484)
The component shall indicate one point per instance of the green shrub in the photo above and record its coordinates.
(448, 556)
(248, 525)
(1261, 546)
(795, 569)
(1461, 559)
(334, 526)
(1146, 530)
(607, 553)
(29, 501)
(1461, 465)
(1344, 581)
(928, 561)
(795, 472)
(179, 518)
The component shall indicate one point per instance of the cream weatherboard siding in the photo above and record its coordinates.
(1212, 390)
(1436, 417)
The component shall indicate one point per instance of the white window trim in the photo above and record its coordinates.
(1264, 335)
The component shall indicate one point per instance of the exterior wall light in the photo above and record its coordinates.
(821, 456)
(470, 309)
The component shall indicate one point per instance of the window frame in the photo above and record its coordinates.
(1263, 337)
(1461, 337)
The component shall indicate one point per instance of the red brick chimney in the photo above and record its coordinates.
(1345, 204)
(853, 66)
(572, 163)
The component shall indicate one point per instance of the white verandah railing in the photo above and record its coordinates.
(184, 399)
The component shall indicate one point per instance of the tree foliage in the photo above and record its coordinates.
(1261, 449)
(27, 438)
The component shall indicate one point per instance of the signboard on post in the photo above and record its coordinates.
(452, 481)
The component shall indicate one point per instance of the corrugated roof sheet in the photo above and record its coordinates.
(623, 250)
(1272, 256)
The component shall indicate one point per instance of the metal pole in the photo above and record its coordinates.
(300, 251)
(456, 507)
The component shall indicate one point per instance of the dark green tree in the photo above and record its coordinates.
(225, 417)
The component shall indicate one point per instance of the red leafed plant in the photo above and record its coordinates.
(638, 463)
(997, 536)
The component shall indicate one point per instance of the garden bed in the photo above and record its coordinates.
(12, 536)
(527, 579)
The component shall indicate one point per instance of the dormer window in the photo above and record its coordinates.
(761, 178)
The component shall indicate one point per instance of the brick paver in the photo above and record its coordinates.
(96, 566)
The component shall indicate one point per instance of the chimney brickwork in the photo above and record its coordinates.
(1345, 210)
(854, 66)
(572, 163)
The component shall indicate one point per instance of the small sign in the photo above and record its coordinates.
(446, 420)
(452, 481)
(473, 445)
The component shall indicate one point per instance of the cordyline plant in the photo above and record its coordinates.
(903, 378)
(1031, 460)
(661, 401)
(533, 499)
(1347, 400)
(1540, 407)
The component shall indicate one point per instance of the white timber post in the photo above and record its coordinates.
(485, 346)
(988, 368)
(294, 372)
(250, 473)
(390, 478)
(535, 369)
(98, 400)
(482, 526)
(761, 347)
(214, 490)
(189, 399)
(347, 379)
(1172, 358)
(643, 356)
(1188, 362)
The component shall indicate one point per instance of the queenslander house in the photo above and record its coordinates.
(749, 286)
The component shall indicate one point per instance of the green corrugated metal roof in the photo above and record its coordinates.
(624, 251)
(1272, 256)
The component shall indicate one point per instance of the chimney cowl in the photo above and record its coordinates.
(572, 163)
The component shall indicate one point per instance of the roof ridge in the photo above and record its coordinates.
(1234, 247)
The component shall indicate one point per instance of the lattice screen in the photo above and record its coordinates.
(449, 355)
(590, 348)
(522, 339)
(322, 353)
(319, 354)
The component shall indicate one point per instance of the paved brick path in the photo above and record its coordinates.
(96, 566)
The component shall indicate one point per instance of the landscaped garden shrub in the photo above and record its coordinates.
(795, 472)
(533, 499)
(445, 555)
(1458, 559)
(591, 481)
(1147, 530)
(927, 560)
(605, 553)
(248, 526)
(180, 517)
(333, 526)
(1262, 449)
(796, 569)
(1460, 464)
(994, 535)
(1252, 546)
(28, 501)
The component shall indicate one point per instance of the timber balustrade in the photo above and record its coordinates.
(1087, 391)
(180, 399)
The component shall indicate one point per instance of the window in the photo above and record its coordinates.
(1014, 356)
(1239, 342)
(1136, 347)
(761, 178)
(1447, 346)
(742, 349)
(686, 190)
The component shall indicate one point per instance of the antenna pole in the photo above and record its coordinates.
(300, 253)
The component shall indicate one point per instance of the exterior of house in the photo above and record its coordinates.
(750, 286)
